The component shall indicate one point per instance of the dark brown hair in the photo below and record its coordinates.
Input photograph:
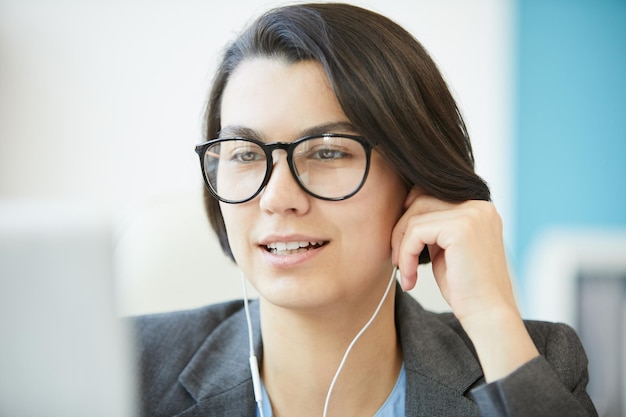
(385, 82)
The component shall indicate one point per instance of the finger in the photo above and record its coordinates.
(416, 206)
(400, 227)
(410, 209)
(413, 194)
(407, 264)
(418, 235)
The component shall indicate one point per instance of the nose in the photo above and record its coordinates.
(282, 194)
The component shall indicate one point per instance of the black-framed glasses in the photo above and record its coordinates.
(329, 167)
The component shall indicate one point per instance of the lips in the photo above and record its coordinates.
(290, 248)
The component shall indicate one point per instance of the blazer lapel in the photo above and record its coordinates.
(218, 376)
(439, 361)
(438, 358)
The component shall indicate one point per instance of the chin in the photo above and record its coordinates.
(298, 293)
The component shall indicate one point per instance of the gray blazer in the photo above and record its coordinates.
(195, 363)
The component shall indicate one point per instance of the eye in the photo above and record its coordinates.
(330, 150)
(247, 156)
(244, 153)
(328, 154)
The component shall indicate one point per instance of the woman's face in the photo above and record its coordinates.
(349, 255)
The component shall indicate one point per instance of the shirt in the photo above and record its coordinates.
(393, 406)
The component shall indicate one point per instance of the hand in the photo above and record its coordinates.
(469, 264)
(466, 250)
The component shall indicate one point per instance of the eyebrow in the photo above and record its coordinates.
(321, 129)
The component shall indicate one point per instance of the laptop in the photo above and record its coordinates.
(63, 350)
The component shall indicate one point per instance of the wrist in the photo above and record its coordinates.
(501, 341)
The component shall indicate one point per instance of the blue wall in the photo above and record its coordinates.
(571, 117)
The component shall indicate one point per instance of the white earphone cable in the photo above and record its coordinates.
(365, 327)
(254, 363)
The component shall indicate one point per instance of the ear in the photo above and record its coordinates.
(411, 196)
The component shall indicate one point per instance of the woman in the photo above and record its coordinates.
(334, 153)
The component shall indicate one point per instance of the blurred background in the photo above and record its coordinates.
(101, 104)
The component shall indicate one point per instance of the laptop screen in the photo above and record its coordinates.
(63, 351)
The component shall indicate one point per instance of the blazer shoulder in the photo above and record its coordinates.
(558, 342)
(165, 343)
(553, 340)
(185, 327)
(561, 368)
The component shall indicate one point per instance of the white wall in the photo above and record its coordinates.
(103, 101)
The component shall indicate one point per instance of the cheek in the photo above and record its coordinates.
(384, 209)
(236, 226)
(388, 213)
(385, 194)
(370, 226)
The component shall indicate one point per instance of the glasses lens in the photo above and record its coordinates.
(235, 169)
(331, 167)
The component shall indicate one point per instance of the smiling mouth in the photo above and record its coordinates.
(291, 248)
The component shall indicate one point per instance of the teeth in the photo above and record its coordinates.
(276, 247)
(291, 245)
